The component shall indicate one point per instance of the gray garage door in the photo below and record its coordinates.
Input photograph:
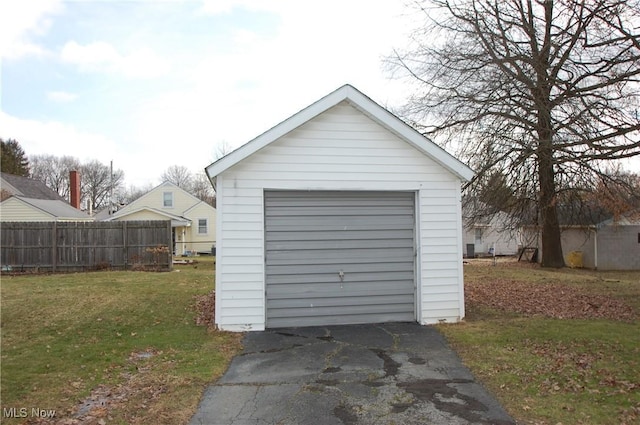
(339, 257)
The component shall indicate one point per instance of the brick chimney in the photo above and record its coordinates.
(74, 184)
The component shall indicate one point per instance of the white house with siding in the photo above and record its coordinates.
(340, 214)
(489, 236)
(192, 220)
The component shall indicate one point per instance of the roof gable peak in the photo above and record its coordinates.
(362, 103)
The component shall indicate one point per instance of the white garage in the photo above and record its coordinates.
(340, 214)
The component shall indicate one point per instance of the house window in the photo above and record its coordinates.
(167, 199)
(202, 226)
(478, 235)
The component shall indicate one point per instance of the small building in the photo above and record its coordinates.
(26, 199)
(612, 244)
(193, 221)
(341, 214)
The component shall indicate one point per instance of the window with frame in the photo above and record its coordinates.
(202, 226)
(167, 199)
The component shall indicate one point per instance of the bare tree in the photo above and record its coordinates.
(54, 171)
(203, 189)
(178, 175)
(543, 92)
(132, 193)
(98, 184)
(222, 149)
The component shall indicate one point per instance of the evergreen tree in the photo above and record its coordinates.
(14, 160)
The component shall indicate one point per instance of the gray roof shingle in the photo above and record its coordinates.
(29, 188)
(55, 207)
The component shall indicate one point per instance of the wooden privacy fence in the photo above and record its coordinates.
(78, 246)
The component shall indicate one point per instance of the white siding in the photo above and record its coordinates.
(341, 149)
(13, 209)
(619, 247)
(440, 268)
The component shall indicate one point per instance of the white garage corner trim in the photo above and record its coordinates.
(340, 214)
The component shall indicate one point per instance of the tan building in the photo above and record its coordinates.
(192, 220)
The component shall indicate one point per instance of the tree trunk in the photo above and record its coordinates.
(551, 243)
(550, 227)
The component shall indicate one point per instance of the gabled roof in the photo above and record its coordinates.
(176, 220)
(141, 202)
(29, 188)
(194, 206)
(54, 207)
(361, 102)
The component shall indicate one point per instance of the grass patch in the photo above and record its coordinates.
(128, 334)
(547, 370)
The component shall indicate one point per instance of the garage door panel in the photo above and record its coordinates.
(337, 244)
(346, 310)
(375, 271)
(353, 276)
(302, 224)
(332, 269)
(338, 210)
(340, 289)
(344, 318)
(375, 235)
(376, 301)
(325, 199)
(313, 236)
(307, 256)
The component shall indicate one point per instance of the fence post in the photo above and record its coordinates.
(125, 244)
(54, 247)
(170, 245)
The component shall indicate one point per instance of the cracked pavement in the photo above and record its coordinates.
(393, 373)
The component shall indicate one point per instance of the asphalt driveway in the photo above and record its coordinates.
(395, 373)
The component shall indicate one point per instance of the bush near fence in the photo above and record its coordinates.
(80, 246)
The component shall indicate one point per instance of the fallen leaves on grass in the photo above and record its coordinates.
(205, 309)
(575, 369)
(98, 407)
(550, 300)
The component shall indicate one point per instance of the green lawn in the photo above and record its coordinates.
(547, 370)
(127, 338)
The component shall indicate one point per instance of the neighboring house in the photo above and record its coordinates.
(20, 208)
(193, 221)
(32, 200)
(609, 245)
(26, 187)
(340, 214)
(487, 235)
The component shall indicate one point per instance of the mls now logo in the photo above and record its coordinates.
(14, 412)
(23, 412)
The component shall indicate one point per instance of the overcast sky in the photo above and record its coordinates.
(150, 84)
